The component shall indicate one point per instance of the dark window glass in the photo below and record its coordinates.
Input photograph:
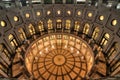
(58, 1)
(69, 1)
(48, 1)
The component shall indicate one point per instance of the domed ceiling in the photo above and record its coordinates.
(59, 56)
(59, 39)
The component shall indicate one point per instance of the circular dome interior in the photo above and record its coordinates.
(59, 56)
(56, 39)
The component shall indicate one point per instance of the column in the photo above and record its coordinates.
(53, 1)
(75, 2)
(100, 2)
(42, 1)
(17, 3)
(64, 1)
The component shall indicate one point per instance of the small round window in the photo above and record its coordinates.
(101, 18)
(69, 12)
(78, 13)
(114, 22)
(27, 15)
(38, 13)
(58, 12)
(48, 12)
(90, 14)
(16, 18)
(3, 23)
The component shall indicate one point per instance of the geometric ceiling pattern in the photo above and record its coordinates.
(58, 57)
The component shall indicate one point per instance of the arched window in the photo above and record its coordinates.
(113, 58)
(59, 23)
(77, 26)
(3, 69)
(40, 26)
(4, 52)
(50, 25)
(31, 29)
(105, 39)
(22, 34)
(13, 41)
(95, 33)
(86, 28)
(4, 59)
(116, 66)
(68, 24)
(112, 52)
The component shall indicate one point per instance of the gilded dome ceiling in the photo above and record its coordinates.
(59, 56)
